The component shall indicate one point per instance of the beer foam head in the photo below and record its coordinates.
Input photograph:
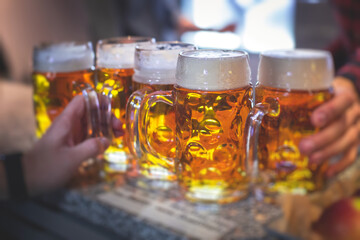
(212, 70)
(63, 57)
(119, 52)
(156, 63)
(300, 69)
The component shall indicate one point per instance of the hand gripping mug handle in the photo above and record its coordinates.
(252, 129)
(105, 105)
(92, 108)
(149, 100)
(132, 121)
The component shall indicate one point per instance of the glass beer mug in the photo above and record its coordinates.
(291, 85)
(211, 100)
(155, 67)
(115, 68)
(61, 71)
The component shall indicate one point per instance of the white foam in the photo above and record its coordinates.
(301, 69)
(156, 63)
(118, 52)
(63, 57)
(213, 70)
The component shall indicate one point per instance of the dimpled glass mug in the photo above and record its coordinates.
(61, 71)
(155, 67)
(115, 68)
(211, 99)
(291, 85)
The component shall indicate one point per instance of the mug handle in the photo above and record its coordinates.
(132, 120)
(105, 110)
(252, 128)
(92, 108)
(149, 100)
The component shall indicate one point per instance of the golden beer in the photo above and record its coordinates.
(121, 88)
(210, 149)
(280, 136)
(60, 72)
(155, 67)
(292, 84)
(161, 135)
(115, 68)
(212, 98)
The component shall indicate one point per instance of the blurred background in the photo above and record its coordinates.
(251, 25)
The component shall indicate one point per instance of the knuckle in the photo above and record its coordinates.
(94, 145)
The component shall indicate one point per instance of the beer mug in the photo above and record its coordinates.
(61, 71)
(211, 99)
(115, 67)
(291, 85)
(155, 67)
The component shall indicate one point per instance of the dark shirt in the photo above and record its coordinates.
(152, 18)
(346, 48)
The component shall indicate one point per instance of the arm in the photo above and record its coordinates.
(57, 155)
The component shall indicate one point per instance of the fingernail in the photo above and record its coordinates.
(306, 146)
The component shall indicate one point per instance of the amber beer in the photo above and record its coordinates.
(211, 164)
(60, 71)
(211, 98)
(292, 84)
(155, 67)
(115, 68)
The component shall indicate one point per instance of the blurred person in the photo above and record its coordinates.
(161, 19)
(339, 119)
(54, 158)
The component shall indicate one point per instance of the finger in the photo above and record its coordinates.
(348, 158)
(88, 149)
(332, 110)
(117, 126)
(63, 124)
(323, 138)
(337, 147)
(332, 132)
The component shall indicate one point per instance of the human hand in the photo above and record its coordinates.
(340, 128)
(57, 155)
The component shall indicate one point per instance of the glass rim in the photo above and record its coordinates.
(296, 53)
(152, 46)
(232, 54)
(125, 40)
(47, 44)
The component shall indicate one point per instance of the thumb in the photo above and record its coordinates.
(89, 148)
